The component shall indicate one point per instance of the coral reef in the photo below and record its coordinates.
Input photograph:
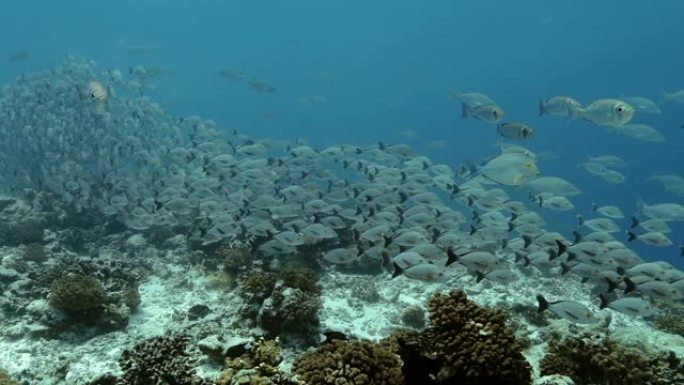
(159, 361)
(35, 252)
(20, 223)
(257, 366)
(287, 301)
(596, 359)
(5, 379)
(303, 279)
(77, 294)
(99, 292)
(289, 309)
(670, 322)
(413, 316)
(464, 344)
(235, 259)
(257, 284)
(349, 363)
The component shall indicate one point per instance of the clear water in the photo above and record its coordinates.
(385, 69)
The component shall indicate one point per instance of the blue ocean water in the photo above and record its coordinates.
(383, 70)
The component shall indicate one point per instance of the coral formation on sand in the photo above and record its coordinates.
(349, 363)
(159, 361)
(597, 359)
(464, 344)
(287, 301)
(256, 366)
(77, 294)
(670, 322)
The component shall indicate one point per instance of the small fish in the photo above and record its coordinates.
(634, 306)
(342, 256)
(652, 238)
(141, 49)
(606, 112)
(613, 212)
(489, 113)
(510, 169)
(598, 224)
(675, 96)
(568, 310)
(652, 224)
(475, 260)
(558, 105)
(21, 55)
(642, 104)
(427, 272)
(231, 74)
(499, 275)
(639, 131)
(471, 99)
(515, 131)
(262, 86)
(557, 203)
(654, 289)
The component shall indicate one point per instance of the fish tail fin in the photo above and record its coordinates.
(565, 269)
(681, 250)
(451, 257)
(631, 286)
(594, 206)
(611, 286)
(552, 254)
(543, 303)
(578, 236)
(561, 247)
(387, 240)
(542, 107)
(580, 220)
(527, 241)
(635, 223)
(518, 256)
(631, 236)
(465, 111)
(527, 261)
(604, 300)
(397, 270)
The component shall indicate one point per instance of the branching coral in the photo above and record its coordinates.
(257, 366)
(349, 363)
(594, 359)
(159, 361)
(464, 344)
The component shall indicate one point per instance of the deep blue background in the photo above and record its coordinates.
(386, 67)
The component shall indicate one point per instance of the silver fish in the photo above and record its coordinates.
(569, 310)
(515, 131)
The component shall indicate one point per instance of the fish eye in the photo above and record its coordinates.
(620, 109)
